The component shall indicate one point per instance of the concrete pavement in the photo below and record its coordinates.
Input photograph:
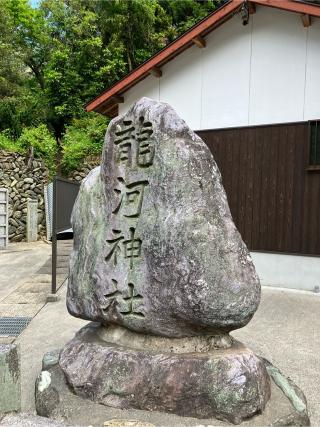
(26, 291)
(49, 330)
(19, 261)
(285, 330)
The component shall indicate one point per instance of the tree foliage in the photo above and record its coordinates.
(84, 137)
(58, 56)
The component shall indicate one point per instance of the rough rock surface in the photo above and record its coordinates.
(155, 248)
(30, 420)
(281, 409)
(230, 384)
(10, 378)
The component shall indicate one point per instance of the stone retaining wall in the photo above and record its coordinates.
(24, 178)
(89, 164)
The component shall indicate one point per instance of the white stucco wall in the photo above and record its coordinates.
(226, 76)
(265, 72)
(188, 68)
(287, 271)
(150, 86)
(312, 92)
(278, 62)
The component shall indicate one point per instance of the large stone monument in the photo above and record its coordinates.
(160, 265)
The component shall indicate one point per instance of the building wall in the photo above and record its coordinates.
(273, 197)
(265, 72)
(288, 271)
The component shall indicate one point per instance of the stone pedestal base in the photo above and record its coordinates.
(10, 378)
(187, 376)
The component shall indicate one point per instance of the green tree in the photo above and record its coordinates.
(84, 137)
(42, 143)
(137, 27)
(58, 56)
(79, 64)
(21, 103)
(185, 13)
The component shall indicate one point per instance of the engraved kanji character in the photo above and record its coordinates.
(145, 148)
(131, 301)
(132, 247)
(145, 154)
(124, 140)
(111, 297)
(115, 250)
(131, 197)
(125, 133)
(124, 153)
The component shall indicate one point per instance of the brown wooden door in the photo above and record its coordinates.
(274, 200)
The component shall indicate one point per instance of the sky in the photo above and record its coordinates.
(34, 3)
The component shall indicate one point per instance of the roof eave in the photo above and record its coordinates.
(105, 102)
(167, 53)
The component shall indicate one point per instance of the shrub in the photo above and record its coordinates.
(9, 144)
(83, 138)
(43, 143)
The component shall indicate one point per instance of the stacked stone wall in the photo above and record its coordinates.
(25, 179)
(83, 170)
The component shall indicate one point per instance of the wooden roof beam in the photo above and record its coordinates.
(165, 54)
(306, 20)
(292, 6)
(199, 41)
(156, 72)
(118, 99)
(203, 27)
(252, 8)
